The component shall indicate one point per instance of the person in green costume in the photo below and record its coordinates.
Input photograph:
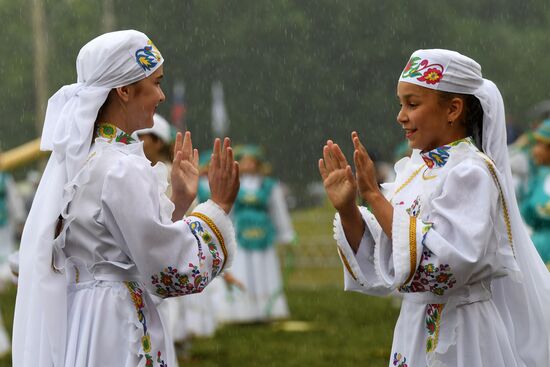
(535, 206)
(261, 220)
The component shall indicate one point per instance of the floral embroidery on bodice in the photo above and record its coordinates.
(112, 132)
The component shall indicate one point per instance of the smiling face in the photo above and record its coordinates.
(144, 97)
(426, 117)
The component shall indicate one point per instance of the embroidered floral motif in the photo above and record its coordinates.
(125, 138)
(137, 298)
(148, 57)
(423, 71)
(198, 231)
(433, 318)
(110, 132)
(171, 283)
(438, 157)
(430, 277)
(107, 131)
(399, 360)
(414, 209)
(431, 76)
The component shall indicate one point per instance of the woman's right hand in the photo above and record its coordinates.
(223, 175)
(340, 185)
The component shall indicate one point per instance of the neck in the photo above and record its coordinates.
(116, 115)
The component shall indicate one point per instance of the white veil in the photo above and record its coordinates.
(109, 61)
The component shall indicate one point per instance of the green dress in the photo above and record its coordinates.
(535, 209)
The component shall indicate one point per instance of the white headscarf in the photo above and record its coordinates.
(109, 61)
(523, 304)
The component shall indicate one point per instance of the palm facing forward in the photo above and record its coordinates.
(338, 179)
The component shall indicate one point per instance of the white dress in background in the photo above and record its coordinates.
(119, 245)
(451, 244)
(263, 298)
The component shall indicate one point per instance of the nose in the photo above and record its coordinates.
(162, 96)
(402, 116)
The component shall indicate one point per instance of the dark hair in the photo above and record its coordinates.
(472, 114)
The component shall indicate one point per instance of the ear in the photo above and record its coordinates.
(455, 109)
(123, 93)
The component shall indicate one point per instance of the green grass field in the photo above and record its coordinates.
(328, 326)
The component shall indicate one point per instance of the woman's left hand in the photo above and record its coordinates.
(185, 173)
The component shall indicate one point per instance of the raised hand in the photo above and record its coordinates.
(223, 175)
(338, 179)
(365, 171)
(184, 175)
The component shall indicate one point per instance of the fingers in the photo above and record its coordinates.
(322, 169)
(177, 158)
(339, 157)
(226, 152)
(328, 159)
(349, 173)
(178, 144)
(196, 158)
(216, 153)
(187, 146)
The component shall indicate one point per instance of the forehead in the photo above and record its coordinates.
(405, 90)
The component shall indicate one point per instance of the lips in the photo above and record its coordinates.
(409, 133)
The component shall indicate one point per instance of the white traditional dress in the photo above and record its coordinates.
(451, 245)
(259, 270)
(118, 244)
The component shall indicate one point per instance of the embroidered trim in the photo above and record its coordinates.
(397, 359)
(433, 320)
(216, 231)
(346, 264)
(408, 181)
(109, 131)
(171, 283)
(501, 195)
(412, 249)
(430, 277)
(137, 298)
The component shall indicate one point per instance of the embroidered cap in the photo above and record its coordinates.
(443, 70)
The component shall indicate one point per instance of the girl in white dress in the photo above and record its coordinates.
(448, 235)
(102, 235)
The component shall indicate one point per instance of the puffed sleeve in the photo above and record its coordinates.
(173, 258)
(461, 239)
(278, 211)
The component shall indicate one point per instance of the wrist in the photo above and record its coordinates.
(371, 197)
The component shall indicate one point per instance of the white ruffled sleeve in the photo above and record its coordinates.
(359, 268)
(173, 258)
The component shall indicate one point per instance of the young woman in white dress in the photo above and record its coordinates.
(448, 235)
(102, 236)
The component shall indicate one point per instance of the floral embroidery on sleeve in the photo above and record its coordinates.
(171, 283)
(430, 277)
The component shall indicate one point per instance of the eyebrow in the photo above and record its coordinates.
(408, 95)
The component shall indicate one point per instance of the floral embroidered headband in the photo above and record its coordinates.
(423, 70)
